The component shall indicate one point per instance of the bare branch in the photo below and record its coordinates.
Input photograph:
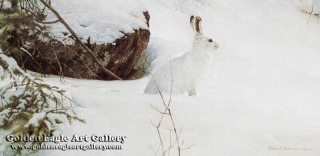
(168, 112)
(165, 113)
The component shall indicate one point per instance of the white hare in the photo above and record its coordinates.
(183, 73)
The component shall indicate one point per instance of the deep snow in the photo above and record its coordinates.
(103, 21)
(262, 91)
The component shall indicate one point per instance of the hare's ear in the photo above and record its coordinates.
(192, 22)
(196, 24)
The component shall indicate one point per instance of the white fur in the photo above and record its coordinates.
(183, 73)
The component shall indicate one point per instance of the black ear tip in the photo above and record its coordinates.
(198, 18)
(191, 18)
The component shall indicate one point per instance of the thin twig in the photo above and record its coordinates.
(165, 113)
(175, 131)
(188, 147)
(84, 63)
(59, 64)
(48, 22)
(154, 152)
(310, 15)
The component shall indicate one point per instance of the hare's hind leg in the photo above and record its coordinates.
(192, 92)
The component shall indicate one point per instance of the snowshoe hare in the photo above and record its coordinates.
(183, 73)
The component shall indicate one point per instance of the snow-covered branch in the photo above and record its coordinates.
(28, 106)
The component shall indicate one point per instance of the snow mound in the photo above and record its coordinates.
(103, 21)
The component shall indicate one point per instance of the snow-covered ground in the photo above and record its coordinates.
(262, 96)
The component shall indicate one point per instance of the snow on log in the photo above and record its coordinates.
(116, 31)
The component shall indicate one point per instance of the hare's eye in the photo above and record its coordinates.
(210, 40)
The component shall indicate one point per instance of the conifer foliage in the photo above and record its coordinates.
(22, 26)
(30, 107)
